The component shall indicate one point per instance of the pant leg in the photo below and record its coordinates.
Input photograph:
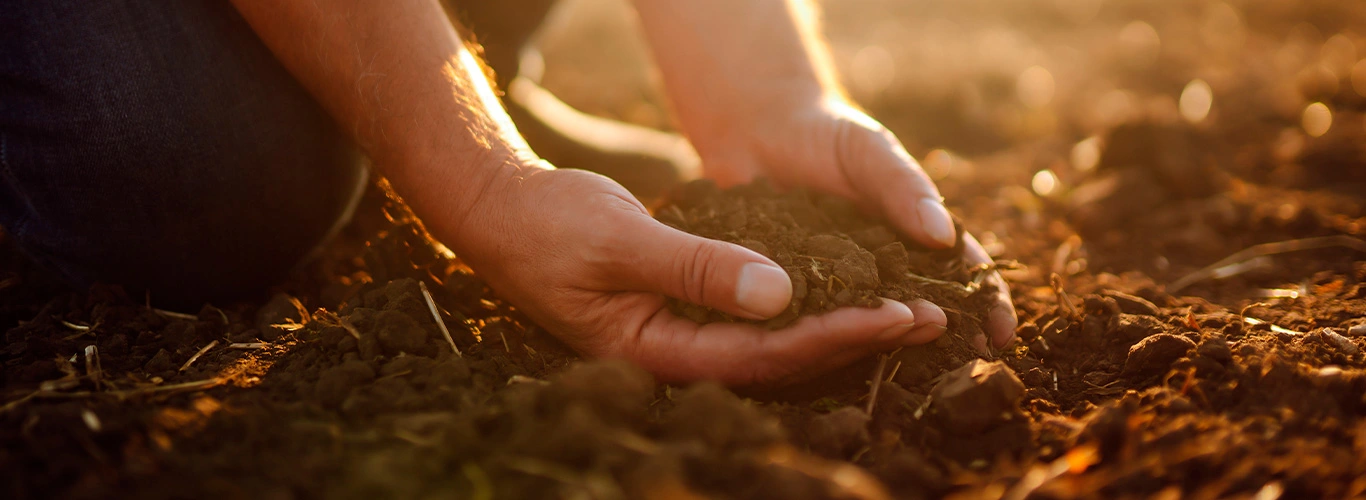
(159, 145)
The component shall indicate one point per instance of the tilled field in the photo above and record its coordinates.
(1192, 296)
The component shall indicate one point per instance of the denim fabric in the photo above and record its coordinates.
(159, 145)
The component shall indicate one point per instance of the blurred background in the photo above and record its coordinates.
(1163, 134)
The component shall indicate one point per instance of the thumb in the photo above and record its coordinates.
(711, 273)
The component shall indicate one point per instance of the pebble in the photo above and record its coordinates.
(1357, 331)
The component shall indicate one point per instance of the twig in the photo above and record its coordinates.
(1265, 249)
(176, 315)
(92, 366)
(1275, 328)
(895, 369)
(523, 379)
(197, 385)
(246, 346)
(197, 355)
(436, 316)
(877, 381)
(76, 327)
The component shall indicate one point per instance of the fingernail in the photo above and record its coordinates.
(763, 291)
(937, 222)
(896, 332)
(1006, 321)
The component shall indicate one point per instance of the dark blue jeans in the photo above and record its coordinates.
(159, 145)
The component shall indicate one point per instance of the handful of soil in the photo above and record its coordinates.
(836, 255)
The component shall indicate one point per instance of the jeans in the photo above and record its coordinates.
(160, 146)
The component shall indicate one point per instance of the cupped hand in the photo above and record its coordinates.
(580, 256)
(831, 146)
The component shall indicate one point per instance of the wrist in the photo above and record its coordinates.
(456, 192)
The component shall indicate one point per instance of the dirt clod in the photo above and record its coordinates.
(839, 433)
(1133, 327)
(1154, 355)
(976, 396)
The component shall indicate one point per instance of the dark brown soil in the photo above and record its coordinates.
(836, 255)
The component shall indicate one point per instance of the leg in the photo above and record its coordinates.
(160, 146)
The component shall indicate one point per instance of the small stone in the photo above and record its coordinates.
(839, 433)
(282, 309)
(976, 396)
(1357, 331)
(1133, 327)
(1131, 304)
(1155, 354)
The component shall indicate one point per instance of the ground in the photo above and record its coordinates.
(1135, 157)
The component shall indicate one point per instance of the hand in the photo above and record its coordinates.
(580, 256)
(831, 146)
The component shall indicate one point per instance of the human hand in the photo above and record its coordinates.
(583, 258)
(831, 146)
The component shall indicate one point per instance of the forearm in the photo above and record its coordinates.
(724, 58)
(397, 76)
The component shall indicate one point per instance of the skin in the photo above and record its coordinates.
(574, 250)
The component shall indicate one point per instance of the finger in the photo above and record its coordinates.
(653, 257)
(1001, 318)
(930, 321)
(738, 354)
(879, 168)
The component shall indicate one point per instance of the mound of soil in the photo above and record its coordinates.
(836, 255)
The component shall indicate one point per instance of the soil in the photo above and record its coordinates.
(1247, 384)
(835, 254)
